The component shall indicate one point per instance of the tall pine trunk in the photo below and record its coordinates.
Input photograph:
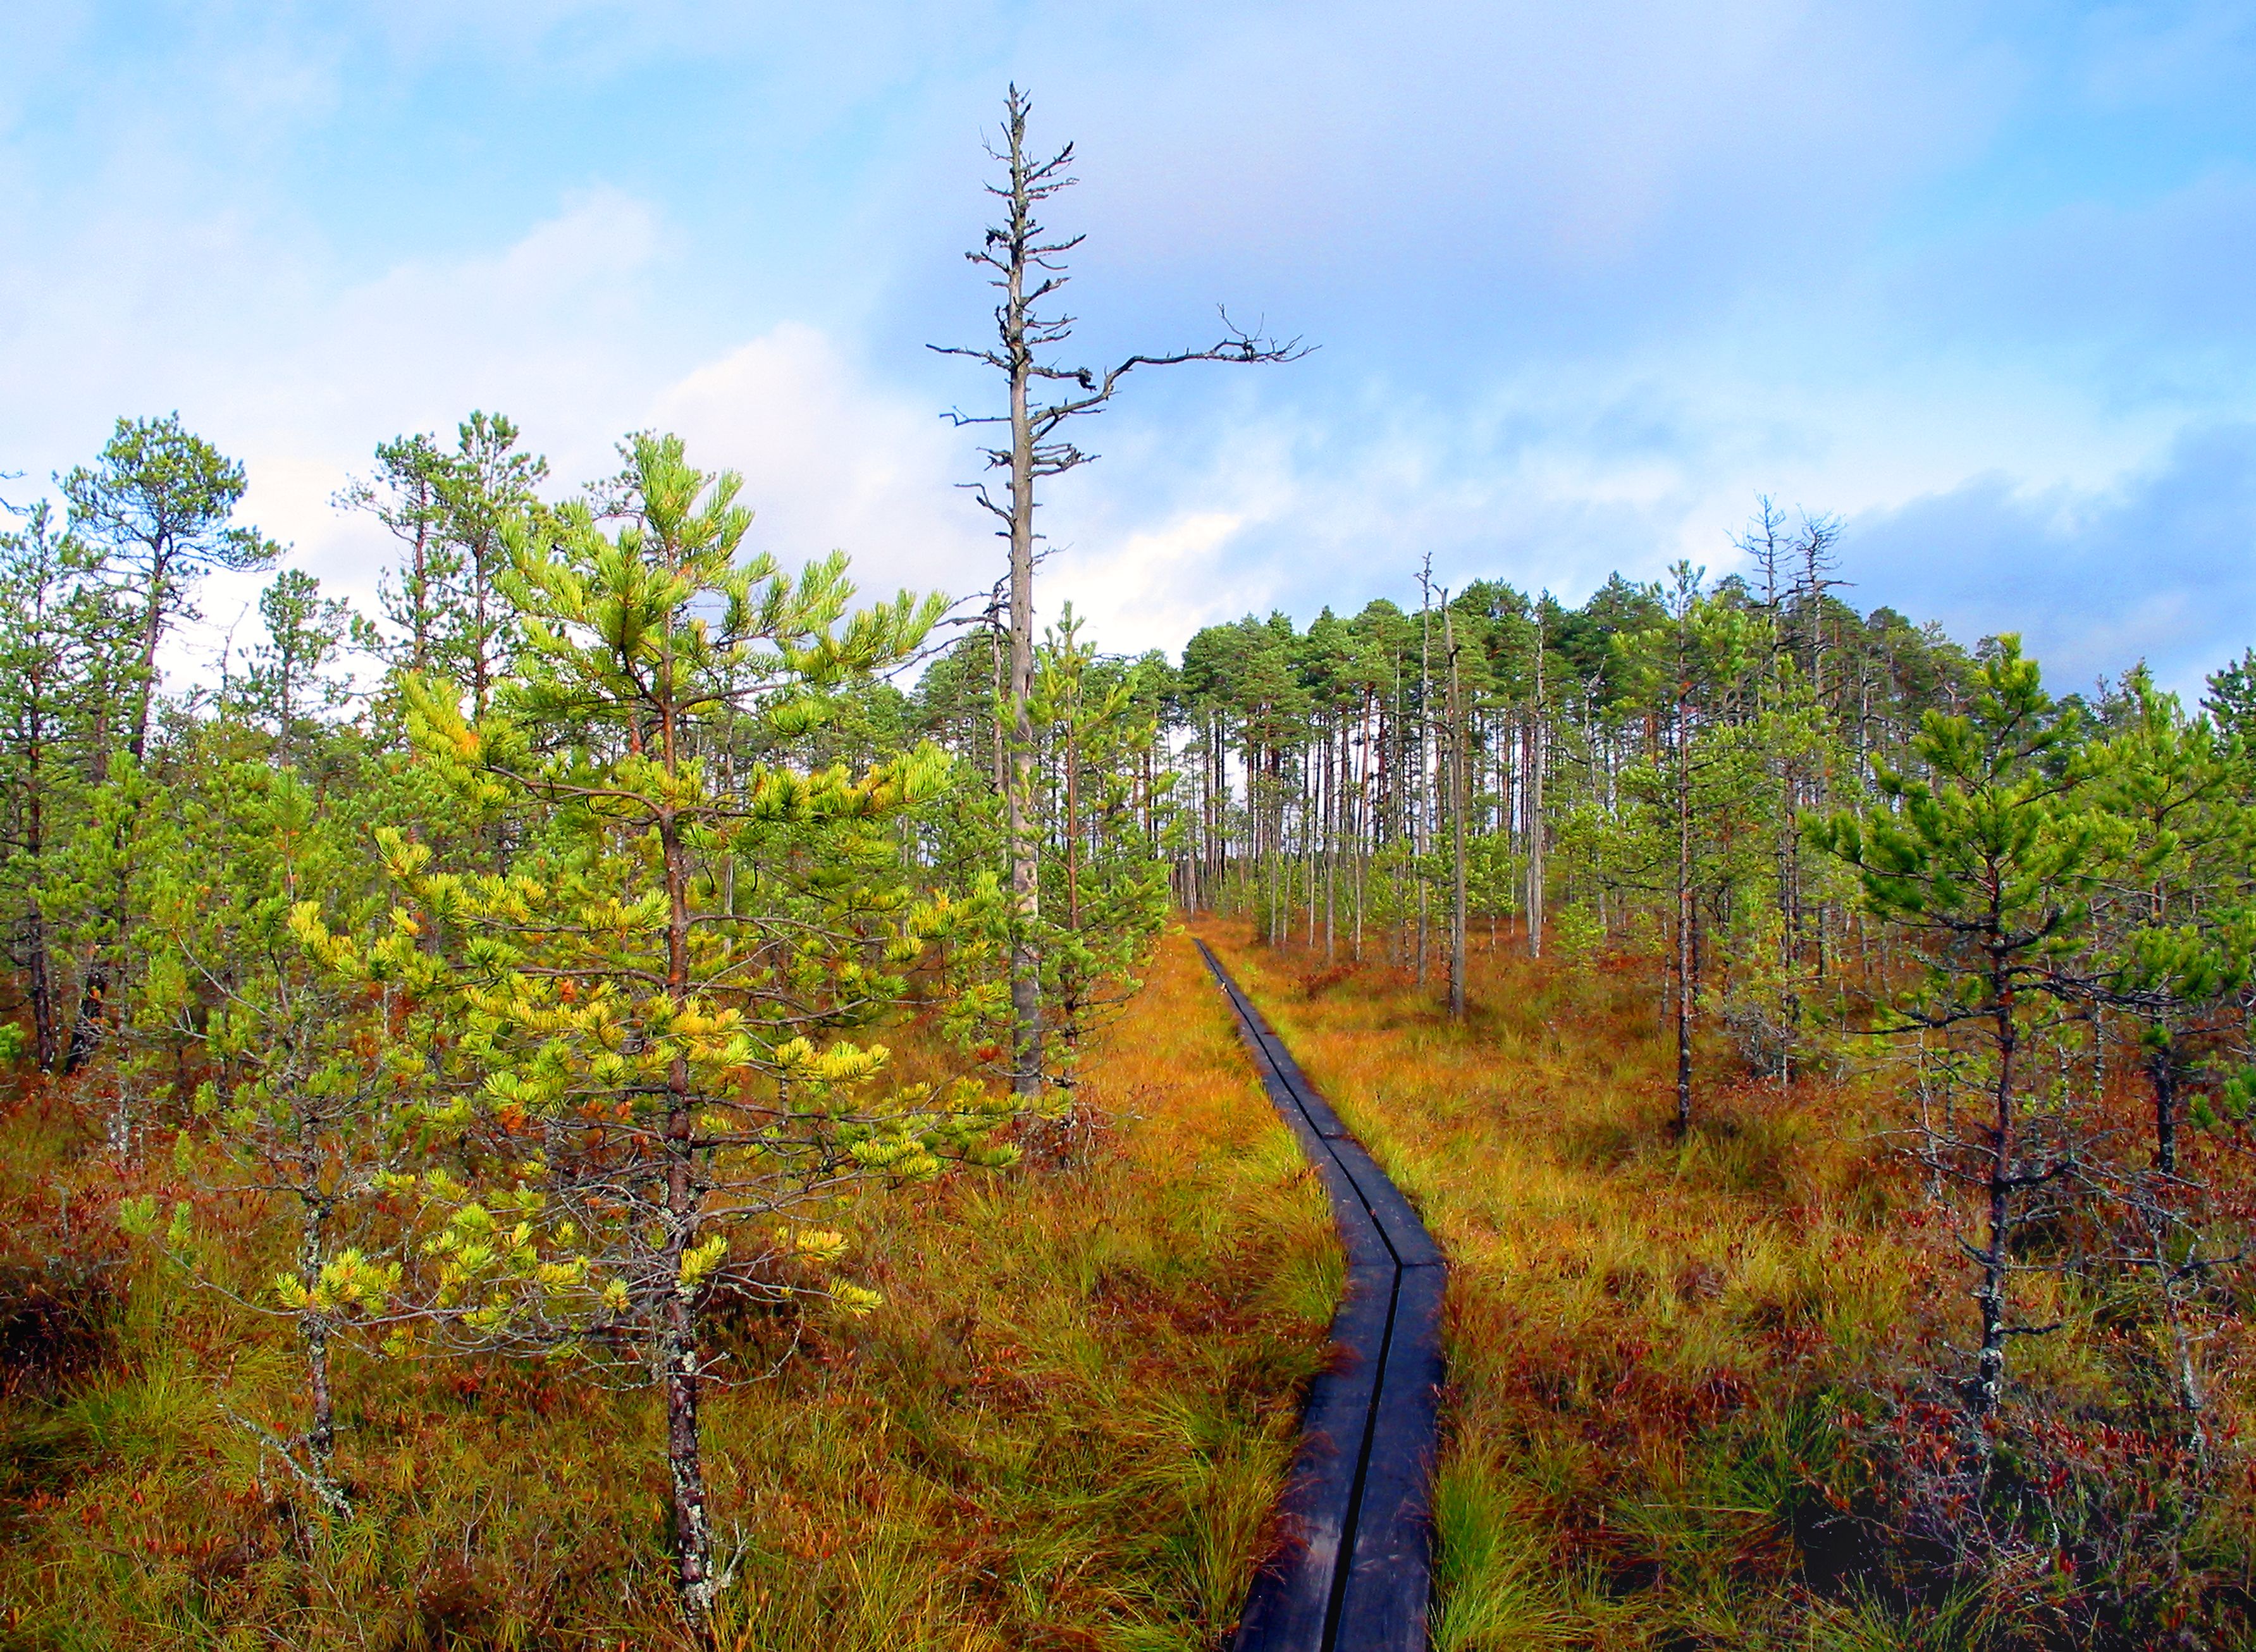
(1535, 794)
(1460, 801)
(1684, 937)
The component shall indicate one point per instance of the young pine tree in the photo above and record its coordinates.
(48, 700)
(299, 1113)
(1105, 895)
(292, 681)
(2173, 941)
(641, 1058)
(1988, 861)
(1688, 669)
(156, 507)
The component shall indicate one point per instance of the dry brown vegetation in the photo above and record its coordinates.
(1691, 1383)
(1063, 1429)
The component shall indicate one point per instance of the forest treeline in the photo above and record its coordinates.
(519, 960)
(2012, 933)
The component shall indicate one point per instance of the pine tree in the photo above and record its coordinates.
(1107, 867)
(303, 1105)
(1989, 861)
(157, 507)
(2174, 944)
(50, 626)
(290, 681)
(642, 1057)
(1686, 669)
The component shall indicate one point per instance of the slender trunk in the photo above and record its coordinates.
(314, 1330)
(685, 1458)
(1996, 1260)
(39, 975)
(321, 1432)
(2193, 1399)
(39, 987)
(2161, 1070)
(1683, 921)
(682, 1367)
(1535, 887)
(1335, 762)
(145, 686)
(1362, 811)
(1421, 822)
(1460, 801)
(1026, 864)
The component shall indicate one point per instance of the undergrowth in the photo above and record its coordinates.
(1064, 1428)
(1693, 1385)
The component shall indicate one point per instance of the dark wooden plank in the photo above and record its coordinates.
(1397, 1217)
(1389, 1578)
(1289, 1607)
(1353, 1571)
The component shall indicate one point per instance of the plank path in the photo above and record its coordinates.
(1354, 1572)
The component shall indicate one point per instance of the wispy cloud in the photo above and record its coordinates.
(1587, 276)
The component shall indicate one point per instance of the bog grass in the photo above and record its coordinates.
(1064, 1428)
(1648, 1339)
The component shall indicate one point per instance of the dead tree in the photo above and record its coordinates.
(1042, 396)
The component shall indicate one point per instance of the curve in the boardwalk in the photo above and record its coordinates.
(1356, 1570)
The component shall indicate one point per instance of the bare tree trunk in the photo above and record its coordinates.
(1422, 833)
(1995, 1254)
(314, 1330)
(1030, 270)
(1335, 764)
(1535, 742)
(2170, 1277)
(685, 1458)
(321, 1434)
(1025, 853)
(1362, 820)
(1684, 939)
(1460, 801)
(678, 1340)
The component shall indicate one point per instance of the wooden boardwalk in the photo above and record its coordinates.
(1355, 1572)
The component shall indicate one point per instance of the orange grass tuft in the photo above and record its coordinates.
(1064, 1428)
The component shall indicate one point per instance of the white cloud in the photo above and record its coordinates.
(834, 461)
(1158, 585)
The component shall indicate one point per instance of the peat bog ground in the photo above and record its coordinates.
(1064, 1428)
(1645, 1340)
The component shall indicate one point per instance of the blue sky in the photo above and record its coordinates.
(1586, 278)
